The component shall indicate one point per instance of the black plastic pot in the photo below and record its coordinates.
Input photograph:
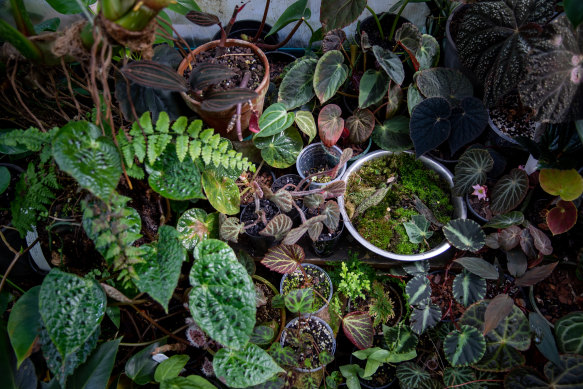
(473, 214)
(258, 244)
(280, 183)
(325, 246)
(369, 384)
(369, 25)
(249, 27)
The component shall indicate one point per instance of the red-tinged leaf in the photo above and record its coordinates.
(333, 40)
(360, 126)
(330, 124)
(509, 237)
(535, 275)
(334, 189)
(562, 218)
(277, 227)
(357, 327)
(217, 101)
(207, 74)
(498, 308)
(202, 19)
(541, 241)
(315, 230)
(284, 259)
(154, 75)
(254, 123)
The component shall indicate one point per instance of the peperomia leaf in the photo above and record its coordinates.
(330, 74)
(175, 180)
(411, 375)
(357, 327)
(306, 124)
(568, 332)
(464, 234)
(242, 368)
(506, 220)
(222, 192)
(509, 191)
(158, 273)
(468, 288)
(494, 42)
(330, 124)
(334, 14)
(464, 347)
(277, 227)
(479, 267)
(284, 259)
(430, 125)
(222, 298)
(274, 120)
(196, 225)
(360, 126)
(553, 82)
(391, 64)
(444, 82)
(71, 309)
(393, 134)
(565, 183)
(90, 158)
(297, 88)
(562, 217)
(418, 229)
(300, 300)
(373, 86)
(281, 150)
(418, 289)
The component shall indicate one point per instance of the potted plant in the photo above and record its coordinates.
(308, 276)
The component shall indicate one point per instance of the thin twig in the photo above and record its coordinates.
(16, 257)
(13, 83)
(282, 43)
(153, 341)
(70, 87)
(164, 330)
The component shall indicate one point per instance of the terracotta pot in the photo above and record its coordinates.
(220, 120)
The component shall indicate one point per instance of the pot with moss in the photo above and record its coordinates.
(309, 276)
(386, 192)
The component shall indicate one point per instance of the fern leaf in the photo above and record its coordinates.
(194, 149)
(139, 144)
(126, 149)
(163, 123)
(180, 125)
(207, 154)
(206, 135)
(224, 146)
(181, 147)
(214, 141)
(195, 128)
(146, 123)
(136, 172)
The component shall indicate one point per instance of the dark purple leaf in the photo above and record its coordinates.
(536, 274)
(154, 75)
(207, 74)
(202, 19)
(498, 308)
(226, 99)
(541, 240)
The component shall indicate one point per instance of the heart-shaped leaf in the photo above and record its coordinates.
(506, 220)
(196, 225)
(458, 376)
(297, 87)
(357, 327)
(284, 259)
(330, 124)
(509, 237)
(175, 180)
(562, 217)
(230, 228)
(332, 212)
(333, 40)
(468, 288)
(274, 120)
(568, 332)
(277, 227)
(517, 262)
(444, 82)
(300, 300)
(391, 64)
(416, 267)
(360, 126)
(263, 335)
(479, 267)
(305, 122)
(283, 199)
(428, 53)
(465, 234)
(374, 85)
(409, 38)
(90, 158)
(541, 241)
(222, 192)
(468, 121)
(418, 229)
(430, 125)
(292, 13)
(243, 368)
(330, 74)
(464, 347)
(158, 274)
(418, 289)
(335, 14)
(509, 191)
(393, 134)
(280, 150)
(565, 183)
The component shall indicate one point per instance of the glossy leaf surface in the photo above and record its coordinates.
(330, 74)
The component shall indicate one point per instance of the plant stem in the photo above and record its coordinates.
(471, 382)
(394, 26)
(260, 30)
(153, 341)
(16, 257)
(155, 324)
(282, 43)
(377, 21)
(18, 288)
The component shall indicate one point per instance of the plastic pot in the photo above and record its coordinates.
(326, 276)
(258, 243)
(280, 183)
(249, 27)
(276, 293)
(326, 247)
(369, 25)
(364, 152)
(316, 155)
(457, 202)
(294, 323)
(220, 120)
(474, 215)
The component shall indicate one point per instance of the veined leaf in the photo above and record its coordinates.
(207, 74)
(357, 326)
(330, 74)
(218, 101)
(297, 88)
(154, 75)
(243, 368)
(471, 169)
(305, 122)
(277, 227)
(274, 120)
(360, 126)
(465, 234)
(391, 63)
(202, 19)
(506, 220)
(300, 300)
(330, 124)
(418, 289)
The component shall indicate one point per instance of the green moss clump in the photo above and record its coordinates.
(382, 225)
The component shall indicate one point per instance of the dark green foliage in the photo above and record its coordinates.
(34, 193)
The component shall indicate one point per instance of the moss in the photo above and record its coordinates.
(382, 225)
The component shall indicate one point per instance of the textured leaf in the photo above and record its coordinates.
(360, 125)
(283, 356)
(333, 40)
(536, 274)
(277, 227)
(391, 64)
(568, 331)
(544, 339)
(541, 241)
(412, 376)
(471, 169)
(393, 134)
(509, 237)
(334, 14)
(414, 97)
(217, 101)
(330, 124)
(196, 225)
(430, 125)
(95, 372)
(565, 183)
(274, 120)
(571, 376)
(175, 180)
(207, 74)
(305, 122)
(158, 274)
(409, 37)
(332, 212)
(509, 191)
(283, 199)
(506, 220)
(281, 150)
(263, 335)
(154, 75)
(373, 86)
(71, 309)
(464, 347)
(427, 54)
(230, 229)
(91, 159)
(170, 367)
(418, 289)
(562, 218)
(284, 259)
(222, 298)
(23, 324)
(222, 192)
(292, 13)
(330, 74)
(498, 308)
(297, 87)
(479, 267)
(300, 300)
(357, 327)
(242, 368)
(468, 288)
(444, 82)
(424, 316)
(314, 230)
(465, 234)
(401, 342)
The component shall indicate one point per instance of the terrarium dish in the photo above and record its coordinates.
(457, 206)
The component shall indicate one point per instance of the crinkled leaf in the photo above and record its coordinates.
(373, 86)
(242, 368)
(536, 274)
(391, 63)
(430, 125)
(297, 88)
(479, 267)
(330, 124)
(222, 192)
(175, 180)
(306, 124)
(300, 300)
(464, 347)
(465, 234)
(274, 120)
(428, 53)
(393, 134)
(357, 327)
(281, 150)
(330, 74)
(334, 14)
(468, 288)
(196, 225)
(444, 82)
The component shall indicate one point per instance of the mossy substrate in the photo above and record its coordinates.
(382, 225)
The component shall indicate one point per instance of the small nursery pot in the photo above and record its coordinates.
(249, 27)
(259, 243)
(474, 215)
(220, 120)
(262, 280)
(361, 155)
(370, 384)
(325, 245)
(280, 183)
(316, 155)
(311, 321)
(317, 269)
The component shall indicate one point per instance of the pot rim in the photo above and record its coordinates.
(305, 150)
(272, 287)
(228, 43)
(460, 211)
(329, 281)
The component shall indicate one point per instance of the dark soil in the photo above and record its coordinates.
(374, 36)
(320, 169)
(559, 294)
(248, 216)
(481, 207)
(238, 59)
(320, 339)
(316, 280)
(263, 178)
(513, 119)
(150, 206)
(266, 313)
(496, 287)
(442, 295)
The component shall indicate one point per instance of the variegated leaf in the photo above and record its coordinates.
(295, 234)
(332, 212)
(315, 230)
(283, 199)
(418, 289)
(300, 300)
(202, 19)
(277, 227)
(424, 316)
(509, 191)
(207, 74)
(313, 201)
(230, 229)
(284, 259)
(357, 326)
(222, 100)
(334, 189)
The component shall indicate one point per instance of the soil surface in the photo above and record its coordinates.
(265, 312)
(248, 216)
(559, 294)
(513, 119)
(320, 339)
(442, 295)
(316, 280)
(263, 178)
(481, 207)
